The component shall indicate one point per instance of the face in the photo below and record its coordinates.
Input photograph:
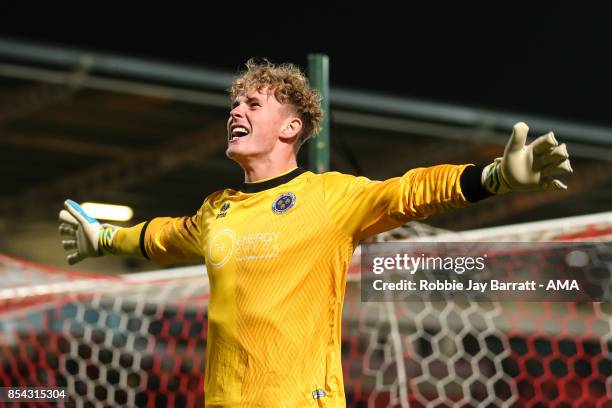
(256, 121)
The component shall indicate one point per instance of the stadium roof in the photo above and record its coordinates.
(110, 128)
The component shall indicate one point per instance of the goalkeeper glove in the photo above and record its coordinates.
(85, 234)
(527, 167)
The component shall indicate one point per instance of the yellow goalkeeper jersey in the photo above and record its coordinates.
(277, 254)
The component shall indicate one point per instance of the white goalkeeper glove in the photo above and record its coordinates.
(85, 234)
(528, 167)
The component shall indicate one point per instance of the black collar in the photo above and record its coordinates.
(274, 182)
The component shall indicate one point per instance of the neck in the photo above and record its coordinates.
(264, 169)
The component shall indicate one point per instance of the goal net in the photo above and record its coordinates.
(140, 339)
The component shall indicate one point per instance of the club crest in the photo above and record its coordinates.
(283, 203)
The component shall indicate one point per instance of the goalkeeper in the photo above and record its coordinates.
(277, 248)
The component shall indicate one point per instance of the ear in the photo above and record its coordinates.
(292, 128)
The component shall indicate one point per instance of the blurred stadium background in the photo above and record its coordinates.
(109, 127)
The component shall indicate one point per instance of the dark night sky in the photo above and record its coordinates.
(555, 60)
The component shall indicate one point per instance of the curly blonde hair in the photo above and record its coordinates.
(289, 85)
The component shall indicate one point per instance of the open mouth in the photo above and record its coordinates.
(238, 132)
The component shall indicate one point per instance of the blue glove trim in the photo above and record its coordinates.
(80, 211)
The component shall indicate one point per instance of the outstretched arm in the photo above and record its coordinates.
(164, 240)
(362, 207)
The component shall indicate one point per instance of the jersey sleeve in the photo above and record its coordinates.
(167, 240)
(362, 207)
(164, 240)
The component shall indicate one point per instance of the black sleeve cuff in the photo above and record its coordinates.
(471, 184)
(142, 239)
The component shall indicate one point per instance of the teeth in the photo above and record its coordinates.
(240, 130)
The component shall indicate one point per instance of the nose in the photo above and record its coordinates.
(236, 112)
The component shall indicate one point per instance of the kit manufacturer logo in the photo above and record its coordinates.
(223, 210)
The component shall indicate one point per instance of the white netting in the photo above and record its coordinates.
(140, 339)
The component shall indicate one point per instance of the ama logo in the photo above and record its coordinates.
(283, 203)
